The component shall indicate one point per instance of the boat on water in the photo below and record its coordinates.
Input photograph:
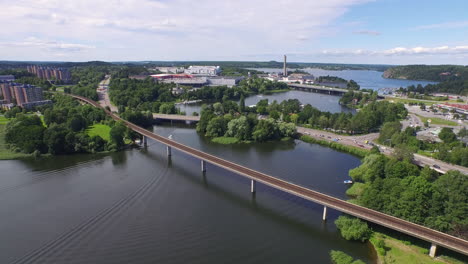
(348, 182)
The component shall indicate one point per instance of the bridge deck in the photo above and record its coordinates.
(176, 117)
(317, 87)
(424, 233)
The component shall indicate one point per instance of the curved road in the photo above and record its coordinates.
(424, 233)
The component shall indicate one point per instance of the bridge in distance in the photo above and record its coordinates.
(435, 237)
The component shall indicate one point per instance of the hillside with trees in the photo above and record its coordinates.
(436, 73)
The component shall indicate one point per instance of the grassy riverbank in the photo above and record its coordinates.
(334, 145)
(225, 140)
(5, 153)
(398, 251)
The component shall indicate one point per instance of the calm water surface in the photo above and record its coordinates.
(323, 102)
(138, 206)
(366, 79)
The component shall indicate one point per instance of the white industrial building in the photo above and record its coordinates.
(224, 80)
(203, 70)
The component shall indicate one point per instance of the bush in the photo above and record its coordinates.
(339, 257)
(352, 228)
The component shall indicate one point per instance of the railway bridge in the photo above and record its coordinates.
(436, 238)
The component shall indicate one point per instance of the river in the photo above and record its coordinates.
(366, 79)
(138, 206)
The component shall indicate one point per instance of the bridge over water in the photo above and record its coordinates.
(435, 237)
(176, 117)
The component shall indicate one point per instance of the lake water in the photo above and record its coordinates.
(366, 79)
(323, 102)
(139, 206)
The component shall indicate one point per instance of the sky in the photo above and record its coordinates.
(328, 31)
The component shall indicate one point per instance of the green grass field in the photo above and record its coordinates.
(438, 121)
(398, 251)
(99, 130)
(406, 101)
(3, 120)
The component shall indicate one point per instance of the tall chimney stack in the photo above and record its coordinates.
(285, 70)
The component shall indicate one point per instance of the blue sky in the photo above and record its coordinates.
(338, 31)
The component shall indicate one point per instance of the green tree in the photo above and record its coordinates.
(266, 129)
(216, 127)
(117, 134)
(239, 128)
(352, 228)
(242, 104)
(447, 135)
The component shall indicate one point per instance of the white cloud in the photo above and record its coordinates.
(53, 46)
(401, 51)
(159, 29)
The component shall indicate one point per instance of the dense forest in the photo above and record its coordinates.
(368, 119)
(422, 196)
(437, 73)
(62, 130)
(87, 80)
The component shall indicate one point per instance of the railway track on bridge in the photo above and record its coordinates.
(435, 237)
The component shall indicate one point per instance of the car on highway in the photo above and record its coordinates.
(436, 166)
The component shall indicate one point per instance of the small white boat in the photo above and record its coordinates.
(348, 182)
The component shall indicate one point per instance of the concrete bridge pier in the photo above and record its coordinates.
(145, 141)
(253, 186)
(324, 217)
(432, 250)
(169, 151)
(203, 165)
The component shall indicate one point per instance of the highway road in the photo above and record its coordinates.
(424, 233)
(103, 94)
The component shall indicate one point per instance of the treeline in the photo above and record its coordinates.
(355, 99)
(367, 120)
(454, 87)
(63, 130)
(451, 149)
(437, 73)
(422, 196)
(228, 120)
(272, 64)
